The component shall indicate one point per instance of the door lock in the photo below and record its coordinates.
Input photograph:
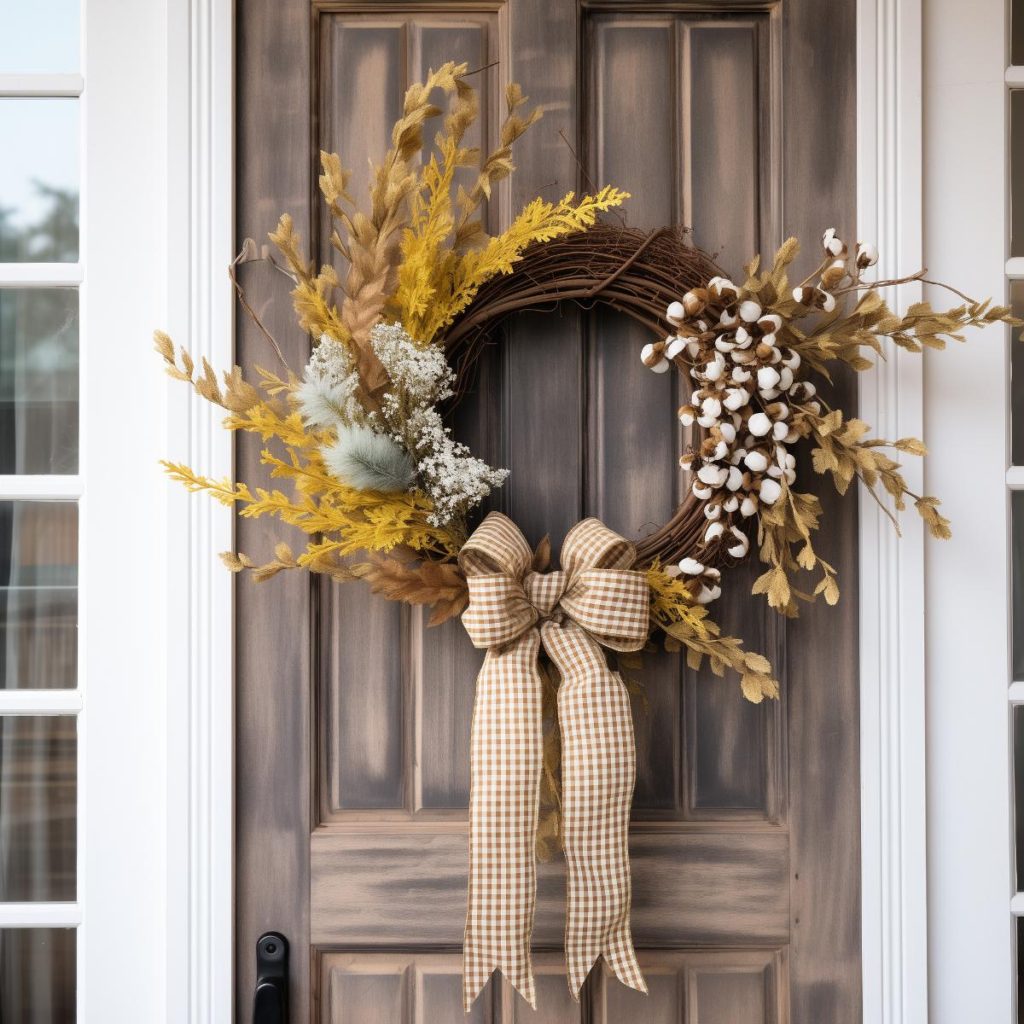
(270, 1004)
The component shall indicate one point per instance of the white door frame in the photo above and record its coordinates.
(200, 698)
(891, 584)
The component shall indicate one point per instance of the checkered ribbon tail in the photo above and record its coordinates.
(594, 600)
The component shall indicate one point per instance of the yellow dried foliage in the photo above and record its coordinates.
(457, 278)
(687, 624)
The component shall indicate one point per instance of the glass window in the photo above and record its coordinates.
(39, 38)
(39, 181)
(37, 975)
(38, 380)
(38, 594)
(38, 784)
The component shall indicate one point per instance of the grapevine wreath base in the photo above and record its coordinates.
(385, 494)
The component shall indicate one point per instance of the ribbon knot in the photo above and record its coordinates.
(595, 600)
(544, 590)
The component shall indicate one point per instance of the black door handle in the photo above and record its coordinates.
(270, 1003)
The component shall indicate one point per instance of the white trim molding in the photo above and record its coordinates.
(892, 641)
(200, 707)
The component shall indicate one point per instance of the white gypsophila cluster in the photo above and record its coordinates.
(454, 479)
(421, 372)
(420, 376)
(327, 395)
(748, 391)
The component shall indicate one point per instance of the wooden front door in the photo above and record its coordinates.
(736, 119)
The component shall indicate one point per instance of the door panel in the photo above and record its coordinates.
(354, 718)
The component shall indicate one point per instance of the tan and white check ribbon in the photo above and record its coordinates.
(594, 599)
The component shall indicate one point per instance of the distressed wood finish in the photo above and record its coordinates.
(353, 730)
(273, 663)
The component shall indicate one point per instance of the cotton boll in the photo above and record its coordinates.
(712, 511)
(742, 545)
(731, 503)
(709, 594)
(791, 359)
(798, 295)
(748, 507)
(785, 378)
(728, 432)
(711, 407)
(687, 414)
(700, 491)
(749, 311)
(726, 319)
(743, 356)
(740, 375)
(735, 478)
(691, 567)
(712, 475)
(735, 398)
(686, 461)
(759, 424)
(756, 462)
(867, 255)
(721, 449)
(724, 343)
(692, 348)
(713, 532)
(651, 356)
(675, 347)
(770, 323)
(742, 337)
(774, 472)
(790, 476)
(780, 430)
(770, 491)
(769, 340)
(767, 377)
(694, 301)
(828, 303)
(715, 369)
(832, 243)
(675, 312)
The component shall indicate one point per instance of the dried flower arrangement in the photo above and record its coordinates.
(375, 469)
(385, 493)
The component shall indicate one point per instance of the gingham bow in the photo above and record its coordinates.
(595, 599)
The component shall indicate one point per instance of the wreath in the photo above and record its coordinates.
(385, 493)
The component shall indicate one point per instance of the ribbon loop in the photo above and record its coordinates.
(595, 600)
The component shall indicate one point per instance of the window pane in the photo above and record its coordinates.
(37, 808)
(1017, 173)
(39, 180)
(1017, 377)
(38, 380)
(38, 594)
(37, 975)
(39, 38)
(1017, 31)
